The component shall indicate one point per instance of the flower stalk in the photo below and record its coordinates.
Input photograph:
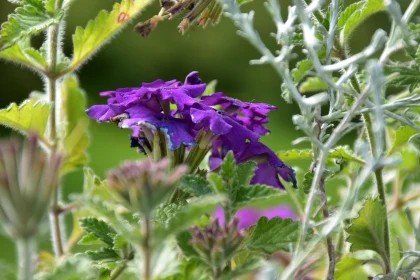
(26, 253)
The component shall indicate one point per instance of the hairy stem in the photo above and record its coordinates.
(330, 244)
(378, 177)
(25, 248)
(51, 87)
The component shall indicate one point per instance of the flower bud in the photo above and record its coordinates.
(27, 178)
(217, 244)
(145, 184)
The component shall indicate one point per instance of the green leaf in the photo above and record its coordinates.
(216, 182)
(88, 40)
(184, 242)
(339, 153)
(228, 167)
(251, 264)
(23, 53)
(29, 19)
(367, 231)
(358, 16)
(403, 76)
(119, 242)
(313, 84)
(244, 173)
(29, 116)
(195, 185)
(103, 255)
(273, 235)
(349, 268)
(259, 196)
(192, 212)
(90, 239)
(301, 70)
(99, 229)
(347, 13)
(72, 268)
(402, 136)
(166, 211)
(210, 88)
(73, 134)
(307, 182)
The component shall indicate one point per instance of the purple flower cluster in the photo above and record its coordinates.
(180, 112)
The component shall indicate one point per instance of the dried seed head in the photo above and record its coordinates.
(146, 28)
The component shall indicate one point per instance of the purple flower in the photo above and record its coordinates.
(250, 216)
(234, 134)
(268, 168)
(269, 165)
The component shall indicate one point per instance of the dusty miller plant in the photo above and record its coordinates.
(155, 218)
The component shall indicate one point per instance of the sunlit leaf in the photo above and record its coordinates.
(88, 40)
(349, 268)
(73, 134)
(23, 53)
(312, 84)
(402, 136)
(30, 116)
(27, 20)
(339, 153)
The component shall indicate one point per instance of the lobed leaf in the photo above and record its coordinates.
(195, 185)
(273, 235)
(367, 231)
(29, 19)
(259, 196)
(23, 53)
(88, 40)
(402, 136)
(347, 13)
(98, 229)
(301, 70)
(73, 137)
(357, 15)
(228, 167)
(244, 173)
(30, 116)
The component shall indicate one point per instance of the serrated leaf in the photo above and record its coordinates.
(103, 255)
(244, 173)
(251, 264)
(216, 182)
(29, 116)
(87, 41)
(346, 14)
(349, 268)
(73, 137)
(119, 242)
(228, 166)
(367, 231)
(312, 84)
(192, 212)
(258, 196)
(195, 185)
(273, 235)
(166, 211)
(301, 70)
(29, 19)
(23, 53)
(99, 229)
(307, 182)
(403, 76)
(402, 135)
(339, 153)
(358, 16)
(90, 239)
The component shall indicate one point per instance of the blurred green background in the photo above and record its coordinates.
(216, 52)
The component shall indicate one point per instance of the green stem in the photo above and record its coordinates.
(379, 178)
(51, 86)
(25, 248)
(118, 271)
